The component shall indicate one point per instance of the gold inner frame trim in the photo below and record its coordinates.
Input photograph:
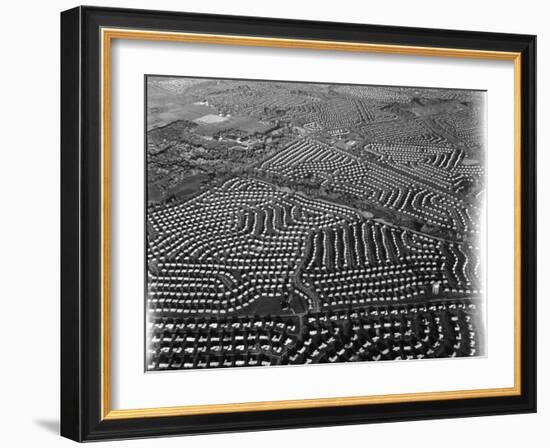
(107, 35)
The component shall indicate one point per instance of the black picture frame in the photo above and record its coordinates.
(81, 380)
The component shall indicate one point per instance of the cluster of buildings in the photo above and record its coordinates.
(335, 223)
(441, 329)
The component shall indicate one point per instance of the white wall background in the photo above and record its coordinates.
(29, 249)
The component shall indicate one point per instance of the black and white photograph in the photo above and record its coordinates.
(293, 223)
(279, 218)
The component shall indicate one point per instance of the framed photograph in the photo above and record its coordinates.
(276, 224)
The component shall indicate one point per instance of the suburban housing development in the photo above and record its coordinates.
(299, 223)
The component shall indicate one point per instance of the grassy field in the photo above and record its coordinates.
(165, 107)
(249, 125)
